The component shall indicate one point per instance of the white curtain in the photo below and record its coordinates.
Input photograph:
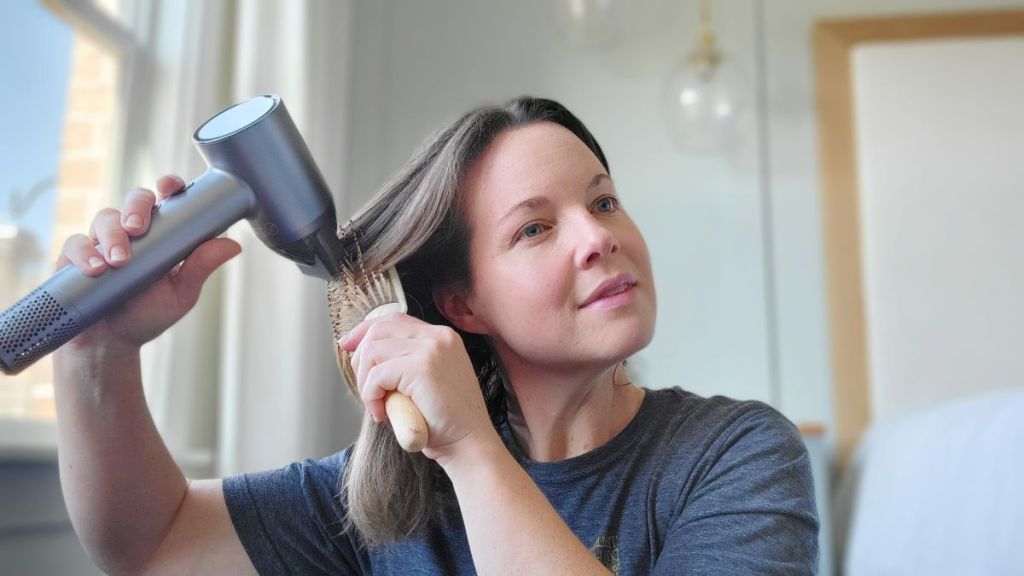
(247, 380)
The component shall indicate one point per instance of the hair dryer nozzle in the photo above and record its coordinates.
(257, 141)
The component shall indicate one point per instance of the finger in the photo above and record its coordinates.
(381, 380)
(372, 353)
(169, 185)
(112, 238)
(192, 273)
(137, 210)
(80, 251)
(394, 325)
(350, 341)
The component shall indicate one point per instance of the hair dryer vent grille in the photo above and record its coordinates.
(35, 326)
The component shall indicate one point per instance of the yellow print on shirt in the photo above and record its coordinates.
(606, 550)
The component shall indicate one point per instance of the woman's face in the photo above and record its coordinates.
(561, 276)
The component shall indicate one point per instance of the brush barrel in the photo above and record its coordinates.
(407, 421)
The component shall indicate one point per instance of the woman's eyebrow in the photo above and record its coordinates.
(538, 201)
(597, 179)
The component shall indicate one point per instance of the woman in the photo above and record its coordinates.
(533, 285)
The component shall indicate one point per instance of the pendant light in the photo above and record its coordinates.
(702, 97)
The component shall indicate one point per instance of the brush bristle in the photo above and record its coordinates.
(352, 295)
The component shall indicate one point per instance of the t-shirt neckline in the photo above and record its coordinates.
(586, 463)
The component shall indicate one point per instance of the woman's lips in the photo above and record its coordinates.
(610, 287)
(613, 299)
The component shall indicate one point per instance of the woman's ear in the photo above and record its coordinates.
(454, 305)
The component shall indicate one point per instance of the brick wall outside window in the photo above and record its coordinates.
(83, 178)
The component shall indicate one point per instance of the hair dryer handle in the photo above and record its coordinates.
(71, 301)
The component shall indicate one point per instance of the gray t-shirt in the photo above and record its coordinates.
(692, 485)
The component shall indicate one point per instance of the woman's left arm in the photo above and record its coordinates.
(511, 526)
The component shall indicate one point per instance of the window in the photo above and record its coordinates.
(64, 63)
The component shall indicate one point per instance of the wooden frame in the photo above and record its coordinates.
(834, 41)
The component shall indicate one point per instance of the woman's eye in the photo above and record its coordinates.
(531, 231)
(607, 204)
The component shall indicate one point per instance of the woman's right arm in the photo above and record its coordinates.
(130, 504)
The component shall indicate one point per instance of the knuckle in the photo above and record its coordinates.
(371, 374)
(201, 263)
(78, 249)
(75, 241)
(443, 333)
(366, 393)
(169, 185)
(107, 223)
(369, 357)
(435, 346)
(187, 298)
(106, 214)
(140, 193)
(138, 200)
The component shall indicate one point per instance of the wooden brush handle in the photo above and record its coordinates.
(407, 421)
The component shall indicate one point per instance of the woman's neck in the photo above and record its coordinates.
(554, 417)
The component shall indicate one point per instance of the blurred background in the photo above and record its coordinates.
(830, 190)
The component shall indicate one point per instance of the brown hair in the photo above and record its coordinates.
(416, 223)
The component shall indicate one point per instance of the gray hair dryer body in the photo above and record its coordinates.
(259, 169)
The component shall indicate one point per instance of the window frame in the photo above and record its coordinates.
(30, 439)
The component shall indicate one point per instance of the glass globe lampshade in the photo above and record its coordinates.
(702, 100)
(589, 24)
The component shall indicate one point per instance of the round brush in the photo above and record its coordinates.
(359, 293)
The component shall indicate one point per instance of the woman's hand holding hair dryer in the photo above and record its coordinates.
(148, 314)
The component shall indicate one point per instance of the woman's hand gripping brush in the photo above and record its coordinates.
(428, 364)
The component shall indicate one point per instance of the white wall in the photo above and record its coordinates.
(941, 204)
(741, 296)
(797, 255)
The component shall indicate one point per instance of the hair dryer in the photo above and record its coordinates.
(259, 169)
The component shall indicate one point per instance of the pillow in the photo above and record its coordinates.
(940, 491)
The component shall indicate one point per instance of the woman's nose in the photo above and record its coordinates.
(595, 242)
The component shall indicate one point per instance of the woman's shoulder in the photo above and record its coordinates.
(717, 422)
(689, 405)
(316, 478)
(291, 519)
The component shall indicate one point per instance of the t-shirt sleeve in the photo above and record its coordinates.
(290, 520)
(752, 511)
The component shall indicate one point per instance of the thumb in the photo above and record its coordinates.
(203, 261)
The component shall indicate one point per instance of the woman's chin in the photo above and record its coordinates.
(629, 340)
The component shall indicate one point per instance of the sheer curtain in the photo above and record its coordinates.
(247, 380)
(283, 396)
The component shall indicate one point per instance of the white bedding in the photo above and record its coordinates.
(938, 492)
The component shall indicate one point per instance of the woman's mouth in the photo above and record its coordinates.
(612, 293)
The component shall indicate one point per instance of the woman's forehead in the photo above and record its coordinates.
(520, 163)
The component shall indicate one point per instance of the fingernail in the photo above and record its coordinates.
(95, 262)
(117, 254)
(134, 221)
